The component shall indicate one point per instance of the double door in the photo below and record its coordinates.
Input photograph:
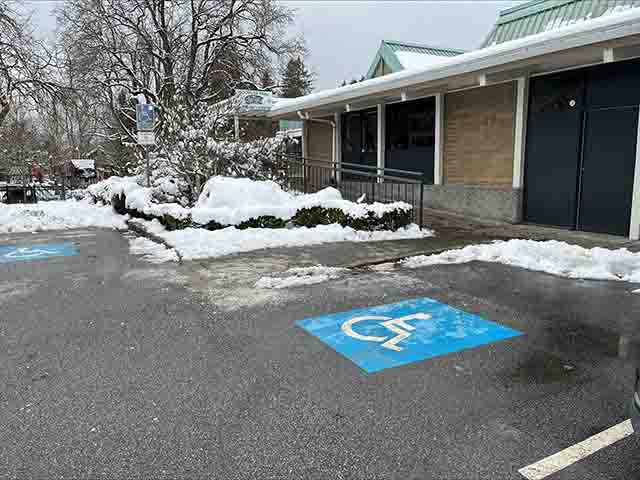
(581, 148)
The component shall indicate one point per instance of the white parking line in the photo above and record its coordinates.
(579, 451)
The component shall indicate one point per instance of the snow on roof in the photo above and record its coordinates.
(84, 164)
(543, 15)
(413, 60)
(617, 25)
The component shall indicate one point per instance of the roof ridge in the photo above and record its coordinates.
(424, 45)
(519, 10)
(521, 6)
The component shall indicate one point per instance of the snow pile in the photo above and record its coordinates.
(152, 251)
(556, 258)
(197, 243)
(109, 188)
(231, 201)
(138, 197)
(58, 215)
(295, 277)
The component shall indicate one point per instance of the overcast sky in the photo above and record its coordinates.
(342, 36)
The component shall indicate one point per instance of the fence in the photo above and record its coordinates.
(355, 182)
(31, 193)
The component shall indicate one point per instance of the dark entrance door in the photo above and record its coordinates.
(581, 148)
(553, 150)
(608, 167)
(360, 139)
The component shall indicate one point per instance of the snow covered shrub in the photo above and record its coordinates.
(173, 223)
(314, 216)
(256, 160)
(390, 220)
(369, 219)
(266, 221)
(119, 203)
(197, 146)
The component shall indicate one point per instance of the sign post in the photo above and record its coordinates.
(145, 123)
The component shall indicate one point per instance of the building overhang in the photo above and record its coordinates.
(605, 39)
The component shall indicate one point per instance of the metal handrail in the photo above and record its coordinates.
(340, 166)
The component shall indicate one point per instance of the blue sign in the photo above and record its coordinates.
(145, 116)
(388, 336)
(40, 251)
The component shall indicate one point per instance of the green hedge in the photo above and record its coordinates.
(311, 217)
(305, 217)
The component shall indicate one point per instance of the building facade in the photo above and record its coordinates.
(540, 125)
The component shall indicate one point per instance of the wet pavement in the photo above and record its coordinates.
(114, 367)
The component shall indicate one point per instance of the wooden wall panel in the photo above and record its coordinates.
(479, 136)
(319, 141)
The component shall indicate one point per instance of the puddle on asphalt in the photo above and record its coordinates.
(541, 368)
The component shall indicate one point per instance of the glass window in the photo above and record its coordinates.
(422, 128)
(411, 124)
(370, 133)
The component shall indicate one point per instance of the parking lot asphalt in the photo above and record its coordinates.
(118, 368)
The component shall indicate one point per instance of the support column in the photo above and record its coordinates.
(520, 132)
(337, 143)
(382, 136)
(634, 226)
(438, 156)
(236, 127)
(305, 144)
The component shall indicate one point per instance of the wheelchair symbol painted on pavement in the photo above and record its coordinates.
(385, 336)
(14, 253)
(398, 326)
(27, 253)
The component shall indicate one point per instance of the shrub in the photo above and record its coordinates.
(314, 216)
(306, 217)
(119, 203)
(265, 221)
(171, 223)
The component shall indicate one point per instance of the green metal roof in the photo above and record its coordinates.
(540, 16)
(389, 48)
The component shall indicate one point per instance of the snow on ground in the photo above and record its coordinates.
(554, 257)
(196, 243)
(58, 215)
(152, 251)
(296, 277)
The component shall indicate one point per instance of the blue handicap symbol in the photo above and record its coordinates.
(388, 336)
(14, 253)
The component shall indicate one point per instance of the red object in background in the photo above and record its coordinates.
(36, 172)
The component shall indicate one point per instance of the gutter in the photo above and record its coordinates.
(592, 31)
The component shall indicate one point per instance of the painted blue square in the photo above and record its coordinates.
(388, 336)
(40, 251)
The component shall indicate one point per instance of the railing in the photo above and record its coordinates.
(31, 193)
(355, 182)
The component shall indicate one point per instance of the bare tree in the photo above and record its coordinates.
(25, 62)
(182, 55)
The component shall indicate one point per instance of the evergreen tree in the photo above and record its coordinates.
(266, 80)
(296, 79)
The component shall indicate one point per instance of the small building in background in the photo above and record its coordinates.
(81, 172)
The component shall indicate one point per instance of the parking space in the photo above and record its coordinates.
(118, 367)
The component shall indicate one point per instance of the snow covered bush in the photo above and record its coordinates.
(245, 203)
(196, 146)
